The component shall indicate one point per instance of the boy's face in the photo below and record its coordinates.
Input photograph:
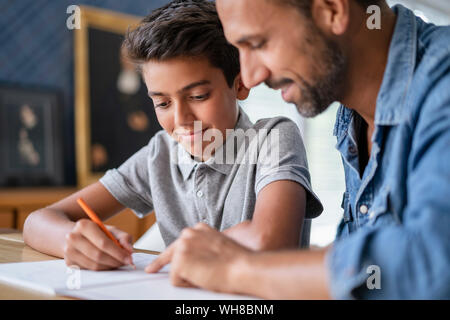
(187, 90)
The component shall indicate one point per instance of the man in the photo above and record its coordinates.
(393, 132)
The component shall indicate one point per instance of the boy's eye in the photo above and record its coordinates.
(200, 97)
(162, 105)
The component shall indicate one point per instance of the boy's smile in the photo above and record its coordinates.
(191, 96)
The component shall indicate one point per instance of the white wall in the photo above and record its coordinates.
(436, 11)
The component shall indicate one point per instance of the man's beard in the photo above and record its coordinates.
(317, 97)
(329, 68)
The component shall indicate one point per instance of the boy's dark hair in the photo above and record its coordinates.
(183, 28)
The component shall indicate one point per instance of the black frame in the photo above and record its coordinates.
(31, 151)
(109, 108)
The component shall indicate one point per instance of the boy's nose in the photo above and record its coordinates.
(183, 115)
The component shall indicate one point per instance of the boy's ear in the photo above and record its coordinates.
(241, 90)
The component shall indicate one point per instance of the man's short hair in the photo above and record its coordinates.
(183, 28)
(305, 5)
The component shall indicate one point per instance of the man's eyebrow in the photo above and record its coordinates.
(188, 87)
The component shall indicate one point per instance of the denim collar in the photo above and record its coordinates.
(399, 69)
(186, 164)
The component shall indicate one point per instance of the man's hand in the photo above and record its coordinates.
(201, 257)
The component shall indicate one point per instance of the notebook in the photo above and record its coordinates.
(54, 277)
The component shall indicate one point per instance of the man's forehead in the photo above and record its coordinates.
(242, 17)
(243, 9)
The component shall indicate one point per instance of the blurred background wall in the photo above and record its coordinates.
(36, 49)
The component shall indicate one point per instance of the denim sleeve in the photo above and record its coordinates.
(413, 256)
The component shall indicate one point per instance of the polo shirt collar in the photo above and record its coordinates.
(187, 164)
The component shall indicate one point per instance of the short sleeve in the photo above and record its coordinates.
(130, 183)
(282, 156)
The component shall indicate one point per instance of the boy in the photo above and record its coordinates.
(192, 75)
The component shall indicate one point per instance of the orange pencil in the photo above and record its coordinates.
(93, 216)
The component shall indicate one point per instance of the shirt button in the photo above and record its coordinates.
(363, 209)
(352, 150)
(199, 193)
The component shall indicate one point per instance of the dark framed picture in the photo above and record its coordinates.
(114, 115)
(31, 142)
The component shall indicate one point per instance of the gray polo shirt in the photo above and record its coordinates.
(221, 191)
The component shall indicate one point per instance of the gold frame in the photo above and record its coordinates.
(104, 20)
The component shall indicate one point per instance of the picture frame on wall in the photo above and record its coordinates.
(31, 142)
(114, 117)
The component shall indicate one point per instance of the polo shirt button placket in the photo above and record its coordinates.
(200, 194)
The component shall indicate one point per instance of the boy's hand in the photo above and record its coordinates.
(88, 247)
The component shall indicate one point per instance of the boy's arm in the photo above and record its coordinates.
(277, 219)
(283, 190)
(48, 229)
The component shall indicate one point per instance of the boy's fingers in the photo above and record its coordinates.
(79, 259)
(80, 243)
(125, 239)
(162, 260)
(94, 234)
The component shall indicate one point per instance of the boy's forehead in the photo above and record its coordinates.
(192, 65)
(178, 73)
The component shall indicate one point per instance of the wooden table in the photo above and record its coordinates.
(17, 203)
(13, 249)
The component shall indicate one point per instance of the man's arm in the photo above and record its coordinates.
(282, 275)
(205, 258)
(412, 256)
(277, 219)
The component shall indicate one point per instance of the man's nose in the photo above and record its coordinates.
(253, 71)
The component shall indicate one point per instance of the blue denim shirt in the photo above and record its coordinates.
(396, 223)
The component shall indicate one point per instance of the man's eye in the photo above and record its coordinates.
(258, 45)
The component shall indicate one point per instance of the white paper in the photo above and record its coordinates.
(54, 277)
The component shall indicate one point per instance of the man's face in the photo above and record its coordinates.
(187, 90)
(279, 46)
